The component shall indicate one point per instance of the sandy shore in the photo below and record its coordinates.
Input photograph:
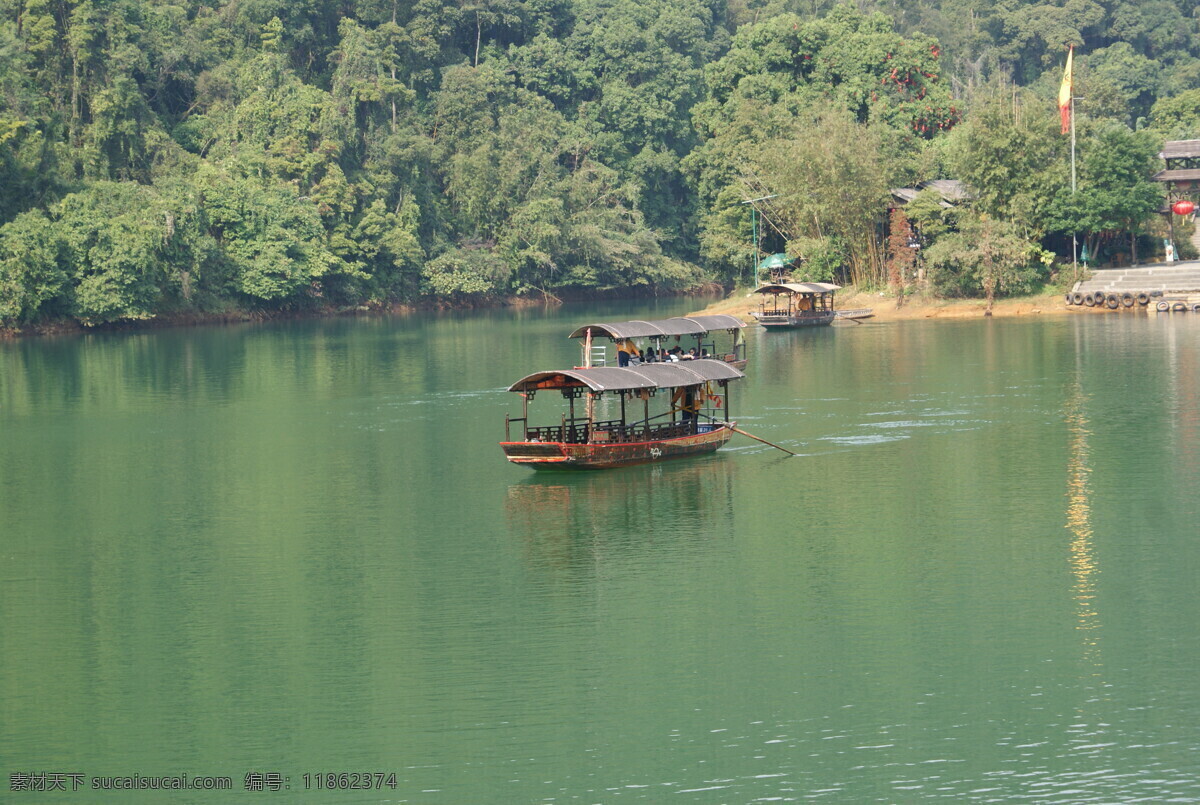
(885, 308)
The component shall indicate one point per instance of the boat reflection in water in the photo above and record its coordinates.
(573, 521)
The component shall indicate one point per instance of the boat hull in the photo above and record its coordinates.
(567, 456)
(794, 322)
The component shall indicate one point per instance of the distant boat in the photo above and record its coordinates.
(696, 420)
(788, 305)
(659, 332)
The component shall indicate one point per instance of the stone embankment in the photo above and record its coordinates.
(1163, 287)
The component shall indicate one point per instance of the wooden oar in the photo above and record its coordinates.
(757, 439)
(751, 435)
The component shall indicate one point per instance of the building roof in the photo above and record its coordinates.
(633, 378)
(952, 191)
(1178, 175)
(680, 325)
(1180, 149)
(798, 287)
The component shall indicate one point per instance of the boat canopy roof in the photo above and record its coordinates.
(680, 325)
(645, 376)
(798, 287)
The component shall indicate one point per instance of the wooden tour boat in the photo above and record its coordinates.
(788, 305)
(656, 337)
(697, 420)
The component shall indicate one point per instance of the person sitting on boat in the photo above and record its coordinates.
(675, 354)
(691, 355)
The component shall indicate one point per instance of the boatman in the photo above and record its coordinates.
(627, 352)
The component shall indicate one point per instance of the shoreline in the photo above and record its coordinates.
(737, 304)
(885, 309)
(67, 327)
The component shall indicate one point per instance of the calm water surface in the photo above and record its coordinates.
(297, 549)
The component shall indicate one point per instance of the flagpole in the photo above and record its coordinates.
(1066, 107)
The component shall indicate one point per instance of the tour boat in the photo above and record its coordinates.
(666, 334)
(696, 420)
(788, 305)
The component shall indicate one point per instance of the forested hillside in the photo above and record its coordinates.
(161, 157)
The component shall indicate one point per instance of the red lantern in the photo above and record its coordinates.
(1184, 207)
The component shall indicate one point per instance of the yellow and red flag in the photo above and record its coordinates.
(1064, 94)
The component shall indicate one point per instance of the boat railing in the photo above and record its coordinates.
(571, 434)
(508, 421)
(606, 432)
(615, 432)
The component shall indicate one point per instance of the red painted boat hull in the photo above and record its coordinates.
(565, 456)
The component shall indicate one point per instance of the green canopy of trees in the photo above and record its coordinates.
(171, 156)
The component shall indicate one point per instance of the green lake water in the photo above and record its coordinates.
(296, 549)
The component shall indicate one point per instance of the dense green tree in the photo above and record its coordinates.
(1119, 83)
(272, 239)
(985, 255)
(1115, 193)
(764, 135)
(172, 155)
(1011, 154)
(33, 274)
(1177, 117)
(113, 235)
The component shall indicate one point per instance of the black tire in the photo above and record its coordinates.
(1077, 298)
(1112, 302)
(1127, 299)
(1178, 307)
(1143, 299)
(1162, 307)
(1196, 308)
(1089, 300)
(1156, 293)
(1067, 299)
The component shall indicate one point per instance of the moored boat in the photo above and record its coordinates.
(788, 305)
(696, 420)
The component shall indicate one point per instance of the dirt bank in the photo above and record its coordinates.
(738, 304)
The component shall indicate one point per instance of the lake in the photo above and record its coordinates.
(274, 552)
